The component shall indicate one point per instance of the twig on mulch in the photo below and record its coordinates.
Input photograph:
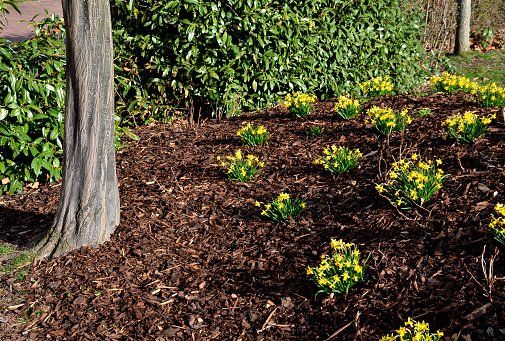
(264, 326)
(339, 331)
(478, 312)
(332, 336)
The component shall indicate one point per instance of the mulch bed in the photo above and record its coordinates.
(193, 259)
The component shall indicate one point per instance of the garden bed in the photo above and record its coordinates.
(194, 259)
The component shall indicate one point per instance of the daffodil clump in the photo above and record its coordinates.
(377, 86)
(411, 182)
(347, 107)
(253, 135)
(387, 121)
(467, 127)
(341, 270)
(451, 83)
(299, 104)
(282, 208)
(340, 159)
(414, 331)
(491, 95)
(498, 223)
(241, 168)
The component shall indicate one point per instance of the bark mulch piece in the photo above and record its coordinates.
(193, 259)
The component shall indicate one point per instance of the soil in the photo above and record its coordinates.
(193, 258)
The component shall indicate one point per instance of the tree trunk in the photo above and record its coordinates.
(463, 27)
(88, 210)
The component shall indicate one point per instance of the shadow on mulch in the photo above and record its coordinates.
(22, 228)
(226, 141)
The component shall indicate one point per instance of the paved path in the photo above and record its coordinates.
(17, 27)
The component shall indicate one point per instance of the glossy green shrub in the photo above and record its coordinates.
(32, 101)
(32, 98)
(228, 56)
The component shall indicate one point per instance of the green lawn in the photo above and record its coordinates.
(5, 249)
(488, 67)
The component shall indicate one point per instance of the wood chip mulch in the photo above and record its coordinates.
(193, 259)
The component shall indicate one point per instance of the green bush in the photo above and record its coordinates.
(32, 98)
(32, 101)
(229, 56)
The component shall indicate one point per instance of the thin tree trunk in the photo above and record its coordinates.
(88, 211)
(463, 27)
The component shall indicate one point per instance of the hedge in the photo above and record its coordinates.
(230, 56)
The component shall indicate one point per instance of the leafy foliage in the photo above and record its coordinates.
(32, 88)
(229, 56)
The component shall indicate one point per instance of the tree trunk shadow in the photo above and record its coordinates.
(23, 228)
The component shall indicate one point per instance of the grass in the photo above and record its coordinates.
(424, 112)
(486, 67)
(5, 249)
(21, 259)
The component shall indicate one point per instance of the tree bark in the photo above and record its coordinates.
(463, 27)
(88, 211)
